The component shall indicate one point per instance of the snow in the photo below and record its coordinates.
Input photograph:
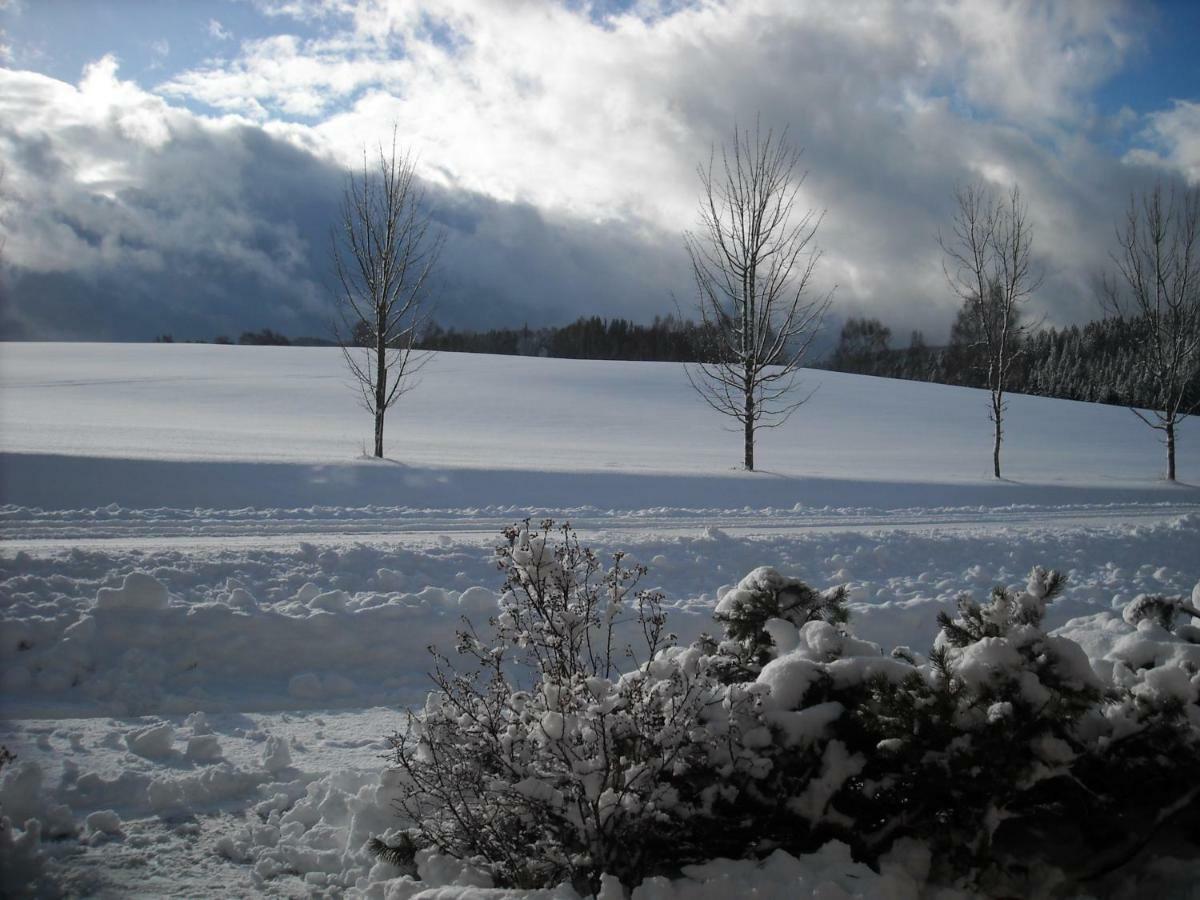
(153, 741)
(789, 678)
(827, 875)
(86, 425)
(105, 821)
(60, 655)
(212, 611)
(138, 591)
(203, 748)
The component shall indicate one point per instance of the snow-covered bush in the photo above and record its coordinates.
(979, 737)
(1005, 749)
(764, 606)
(578, 739)
(1139, 770)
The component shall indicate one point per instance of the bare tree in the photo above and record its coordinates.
(385, 250)
(988, 263)
(752, 260)
(1156, 289)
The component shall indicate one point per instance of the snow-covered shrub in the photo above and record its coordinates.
(979, 737)
(1134, 771)
(766, 606)
(579, 740)
(795, 645)
(1163, 611)
(1003, 749)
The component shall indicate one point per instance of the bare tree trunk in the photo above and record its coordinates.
(749, 460)
(381, 380)
(997, 414)
(1171, 450)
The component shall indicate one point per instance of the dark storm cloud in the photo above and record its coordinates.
(509, 263)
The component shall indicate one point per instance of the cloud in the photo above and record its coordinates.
(303, 10)
(1035, 61)
(273, 77)
(152, 206)
(1174, 138)
(140, 219)
(560, 144)
(218, 31)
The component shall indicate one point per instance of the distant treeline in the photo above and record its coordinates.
(1102, 362)
(264, 338)
(666, 339)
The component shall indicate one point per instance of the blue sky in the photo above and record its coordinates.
(152, 39)
(1166, 67)
(559, 140)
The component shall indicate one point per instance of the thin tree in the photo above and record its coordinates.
(752, 260)
(1156, 291)
(385, 250)
(988, 262)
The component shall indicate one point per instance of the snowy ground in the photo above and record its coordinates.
(291, 587)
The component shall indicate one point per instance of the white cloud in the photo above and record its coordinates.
(303, 10)
(217, 31)
(1032, 60)
(534, 101)
(273, 76)
(1174, 136)
(85, 160)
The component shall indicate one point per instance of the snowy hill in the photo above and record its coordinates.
(229, 426)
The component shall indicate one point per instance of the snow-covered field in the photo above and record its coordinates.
(228, 704)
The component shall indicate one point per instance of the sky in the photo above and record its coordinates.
(175, 166)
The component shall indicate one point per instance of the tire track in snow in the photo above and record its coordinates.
(37, 531)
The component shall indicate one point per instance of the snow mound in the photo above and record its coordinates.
(828, 874)
(104, 821)
(204, 748)
(153, 742)
(139, 591)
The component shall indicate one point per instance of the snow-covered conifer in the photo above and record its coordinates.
(766, 605)
(981, 736)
